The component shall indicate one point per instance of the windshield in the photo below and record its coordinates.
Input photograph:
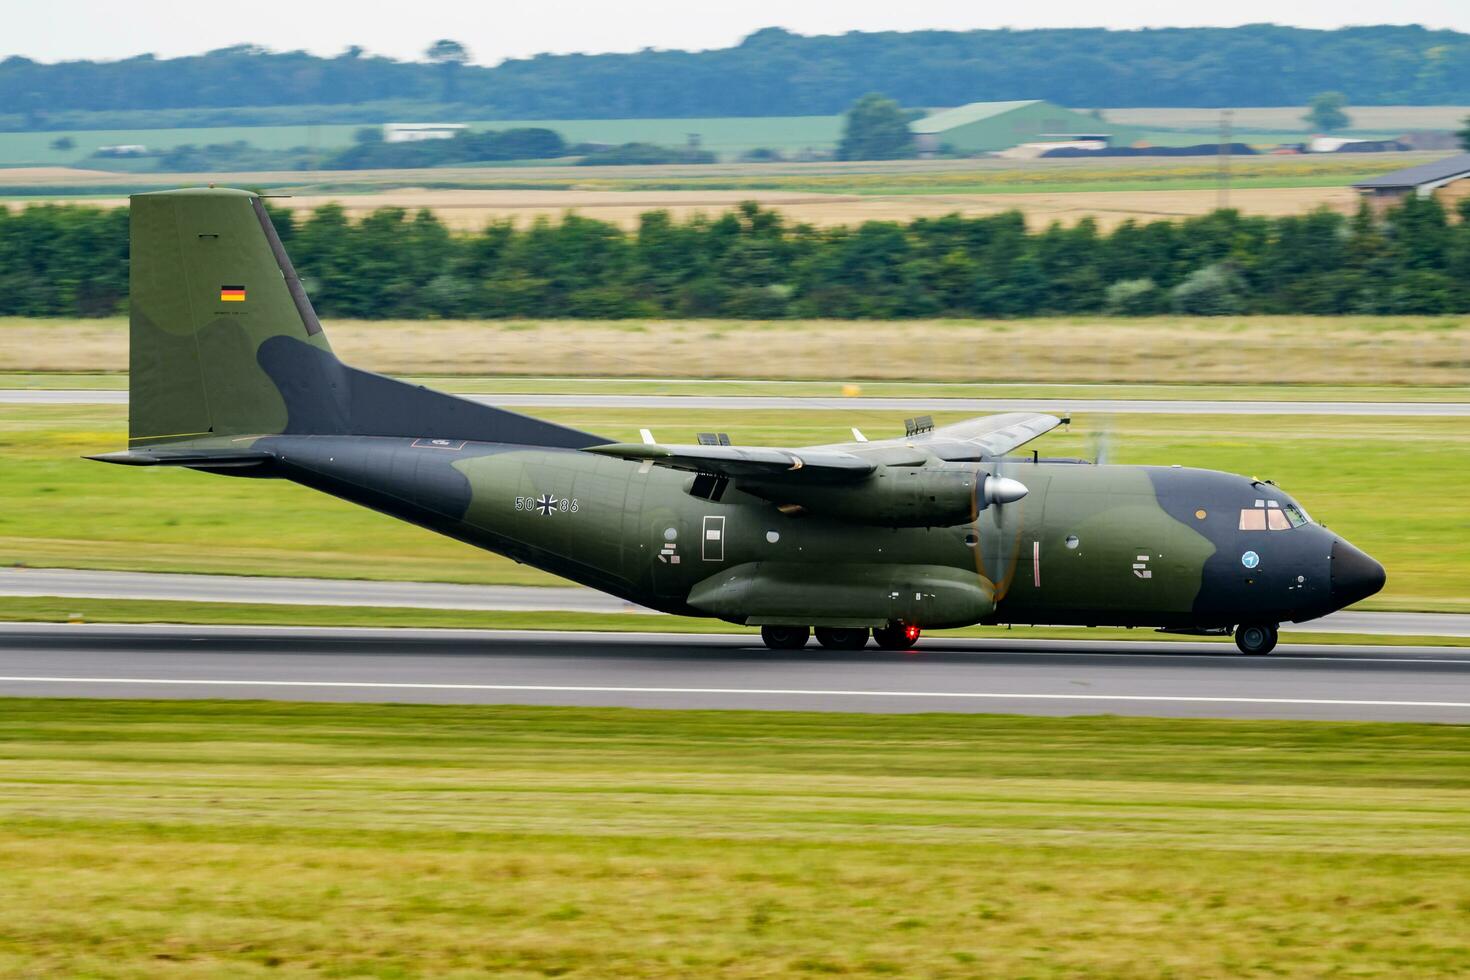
(1272, 515)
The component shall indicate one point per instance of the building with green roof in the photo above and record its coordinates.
(985, 127)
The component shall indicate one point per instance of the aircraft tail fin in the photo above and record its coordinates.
(224, 342)
(209, 285)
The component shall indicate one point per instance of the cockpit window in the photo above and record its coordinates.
(1272, 515)
(1252, 519)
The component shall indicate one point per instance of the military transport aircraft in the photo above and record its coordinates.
(939, 527)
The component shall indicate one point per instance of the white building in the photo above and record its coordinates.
(412, 132)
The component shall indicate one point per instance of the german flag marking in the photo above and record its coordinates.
(232, 294)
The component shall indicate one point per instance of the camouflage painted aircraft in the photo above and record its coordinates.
(232, 374)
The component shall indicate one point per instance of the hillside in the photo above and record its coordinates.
(775, 72)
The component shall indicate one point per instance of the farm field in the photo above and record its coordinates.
(64, 511)
(726, 136)
(1285, 350)
(883, 177)
(472, 210)
(146, 836)
(1384, 120)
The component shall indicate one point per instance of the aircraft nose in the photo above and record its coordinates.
(1354, 575)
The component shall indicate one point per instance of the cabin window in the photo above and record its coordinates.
(1296, 515)
(1276, 521)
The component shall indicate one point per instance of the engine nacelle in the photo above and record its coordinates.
(899, 496)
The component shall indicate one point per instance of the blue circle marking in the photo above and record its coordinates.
(1250, 559)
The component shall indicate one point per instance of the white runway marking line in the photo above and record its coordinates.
(792, 692)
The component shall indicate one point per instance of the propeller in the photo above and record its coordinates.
(1102, 441)
(998, 528)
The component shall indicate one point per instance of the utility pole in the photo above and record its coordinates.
(1224, 174)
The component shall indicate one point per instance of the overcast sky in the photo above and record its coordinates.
(56, 30)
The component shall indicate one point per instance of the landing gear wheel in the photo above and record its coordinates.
(1256, 639)
(785, 637)
(896, 636)
(842, 638)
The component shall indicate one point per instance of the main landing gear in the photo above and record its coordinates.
(1256, 639)
(894, 636)
(785, 637)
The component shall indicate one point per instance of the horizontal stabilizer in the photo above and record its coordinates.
(196, 458)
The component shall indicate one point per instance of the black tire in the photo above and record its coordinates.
(842, 638)
(1256, 639)
(894, 636)
(785, 637)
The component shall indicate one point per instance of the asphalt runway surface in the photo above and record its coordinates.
(687, 671)
(978, 406)
(81, 584)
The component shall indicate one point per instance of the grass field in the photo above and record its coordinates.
(1251, 351)
(462, 384)
(1392, 486)
(142, 839)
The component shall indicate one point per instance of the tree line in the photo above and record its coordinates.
(776, 72)
(753, 263)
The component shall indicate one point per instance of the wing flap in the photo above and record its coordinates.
(744, 462)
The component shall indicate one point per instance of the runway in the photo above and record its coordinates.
(83, 584)
(688, 671)
(977, 406)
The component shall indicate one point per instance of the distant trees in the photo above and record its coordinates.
(753, 263)
(643, 153)
(369, 151)
(876, 129)
(1324, 113)
(63, 144)
(776, 72)
(449, 56)
(1464, 135)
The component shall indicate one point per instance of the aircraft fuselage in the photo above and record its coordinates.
(1089, 545)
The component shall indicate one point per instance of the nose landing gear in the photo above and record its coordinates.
(1256, 639)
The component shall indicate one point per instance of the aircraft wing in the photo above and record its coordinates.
(986, 437)
(746, 462)
(972, 440)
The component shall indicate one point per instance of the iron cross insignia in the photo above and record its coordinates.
(546, 505)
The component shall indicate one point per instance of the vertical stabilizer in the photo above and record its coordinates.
(225, 343)
(210, 283)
